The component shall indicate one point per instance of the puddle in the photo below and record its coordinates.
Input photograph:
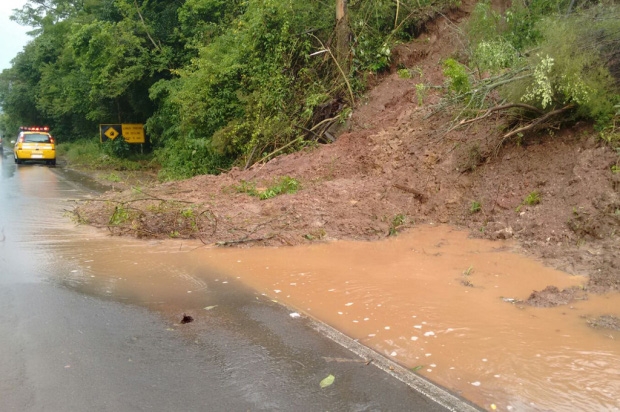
(432, 300)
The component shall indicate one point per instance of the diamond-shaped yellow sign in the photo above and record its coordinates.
(111, 133)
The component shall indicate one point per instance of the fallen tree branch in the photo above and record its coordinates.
(316, 135)
(331, 119)
(279, 149)
(537, 121)
(499, 108)
(158, 47)
(156, 198)
(207, 213)
(245, 240)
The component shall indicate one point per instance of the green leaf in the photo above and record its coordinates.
(327, 381)
(417, 368)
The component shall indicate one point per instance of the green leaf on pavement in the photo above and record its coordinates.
(327, 381)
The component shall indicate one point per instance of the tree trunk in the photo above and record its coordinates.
(343, 35)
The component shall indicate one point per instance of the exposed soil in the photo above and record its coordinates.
(605, 322)
(552, 296)
(397, 164)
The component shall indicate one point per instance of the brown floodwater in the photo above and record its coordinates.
(435, 300)
(431, 299)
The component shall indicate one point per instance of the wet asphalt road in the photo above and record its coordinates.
(68, 347)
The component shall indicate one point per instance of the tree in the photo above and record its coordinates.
(343, 35)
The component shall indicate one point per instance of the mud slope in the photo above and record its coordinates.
(398, 164)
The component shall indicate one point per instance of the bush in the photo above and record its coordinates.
(571, 67)
(457, 76)
(189, 157)
(494, 55)
(117, 148)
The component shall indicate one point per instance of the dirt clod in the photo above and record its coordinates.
(552, 296)
(186, 319)
(605, 322)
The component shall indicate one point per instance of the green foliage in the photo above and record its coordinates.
(113, 177)
(189, 157)
(550, 56)
(494, 55)
(317, 234)
(283, 185)
(571, 67)
(397, 221)
(190, 216)
(216, 82)
(371, 54)
(610, 135)
(484, 23)
(519, 26)
(475, 207)
(117, 148)
(541, 91)
(533, 198)
(286, 184)
(457, 76)
(420, 91)
(404, 73)
(246, 187)
(92, 154)
(120, 215)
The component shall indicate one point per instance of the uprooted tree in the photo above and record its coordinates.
(560, 70)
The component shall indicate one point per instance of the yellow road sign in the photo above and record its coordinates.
(111, 133)
(131, 132)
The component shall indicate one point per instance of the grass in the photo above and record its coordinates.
(397, 221)
(90, 154)
(531, 199)
(465, 279)
(190, 215)
(475, 207)
(113, 177)
(315, 235)
(421, 91)
(404, 74)
(283, 185)
(120, 216)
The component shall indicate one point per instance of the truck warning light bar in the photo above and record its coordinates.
(34, 129)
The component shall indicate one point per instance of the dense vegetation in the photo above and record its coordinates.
(549, 62)
(220, 83)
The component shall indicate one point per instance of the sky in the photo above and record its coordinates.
(13, 37)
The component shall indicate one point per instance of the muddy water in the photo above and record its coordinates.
(431, 299)
(435, 301)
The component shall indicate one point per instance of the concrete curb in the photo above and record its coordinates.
(437, 394)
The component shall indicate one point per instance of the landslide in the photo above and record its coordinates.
(398, 163)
